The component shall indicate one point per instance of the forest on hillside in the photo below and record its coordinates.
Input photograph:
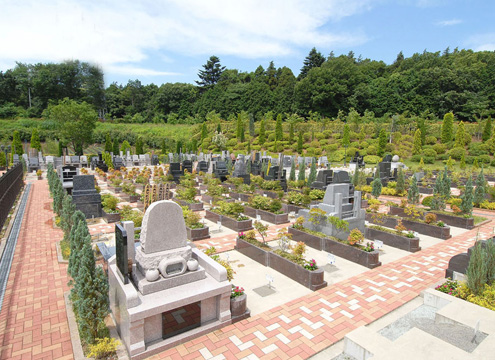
(427, 84)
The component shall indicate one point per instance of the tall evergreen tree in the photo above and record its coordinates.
(77, 235)
(204, 131)
(291, 133)
(401, 182)
(68, 210)
(312, 172)
(292, 176)
(139, 146)
(479, 191)
(300, 143)
(108, 143)
(460, 135)
(420, 122)
(467, 198)
(301, 176)
(413, 192)
(239, 126)
(382, 142)
(251, 125)
(346, 140)
(314, 59)
(279, 132)
(355, 177)
(261, 137)
(462, 164)
(126, 146)
(417, 142)
(17, 144)
(211, 74)
(447, 128)
(376, 187)
(35, 139)
(487, 130)
(116, 147)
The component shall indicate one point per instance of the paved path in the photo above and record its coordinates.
(33, 322)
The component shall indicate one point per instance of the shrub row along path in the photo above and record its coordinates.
(33, 321)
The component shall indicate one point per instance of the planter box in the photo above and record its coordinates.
(238, 308)
(270, 194)
(394, 240)
(198, 234)
(207, 199)
(311, 279)
(232, 224)
(203, 187)
(367, 259)
(134, 198)
(364, 204)
(111, 218)
(452, 220)
(422, 228)
(191, 206)
(291, 208)
(266, 215)
(425, 190)
(243, 197)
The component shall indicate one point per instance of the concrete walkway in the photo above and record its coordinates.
(33, 322)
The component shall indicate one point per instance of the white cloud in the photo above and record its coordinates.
(482, 42)
(136, 71)
(112, 32)
(449, 22)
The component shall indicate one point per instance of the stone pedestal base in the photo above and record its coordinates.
(151, 261)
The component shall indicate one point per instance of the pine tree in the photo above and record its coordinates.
(479, 191)
(279, 132)
(314, 59)
(300, 143)
(35, 139)
(242, 135)
(460, 135)
(251, 125)
(115, 147)
(108, 143)
(438, 202)
(401, 182)
(261, 137)
(211, 74)
(312, 172)
(467, 198)
(219, 128)
(346, 136)
(413, 192)
(292, 176)
(17, 144)
(487, 130)
(302, 172)
(382, 142)
(447, 128)
(450, 163)
(417, 143)
(376, 187)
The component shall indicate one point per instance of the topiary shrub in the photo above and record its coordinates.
(427, 201)
(371, 159)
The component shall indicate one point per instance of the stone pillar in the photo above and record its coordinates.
(136, 332)
(357, 203)
(131, 249)
(224, 307)
(338, 205)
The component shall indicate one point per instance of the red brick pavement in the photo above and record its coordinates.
(33, 321)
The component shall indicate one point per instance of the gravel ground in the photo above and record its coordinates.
(423, 318)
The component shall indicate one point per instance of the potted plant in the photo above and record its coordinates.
(238, 302)
(38, 173)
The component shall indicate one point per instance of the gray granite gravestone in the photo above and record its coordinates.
(85, 196)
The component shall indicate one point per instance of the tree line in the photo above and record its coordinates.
(429, 84)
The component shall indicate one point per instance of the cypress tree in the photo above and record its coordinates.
(355, 177)
(477, 269)
(219, 128)
(413, 192)
(139, 146)
(346, 136)
(115, 147)
(77, 236)
(422, 127)
(279, 132)
(487, 130)
(35, 140)
(467, 198)
(292, 176)
(401, 182)
(68, 210)
(164, 147)
(291, 133)
(476, 166)
(301, 176)
(204, 132)
(242, 134)
(300, 143)
(17, 144)
(417, 142)
(251, 125)
(446, 183)
(108, 143)
(421, 165)
(312, 172)
(447, 128)
(376, 187)
(460, 135)
(238, 127)
(126, 146)
(261, 139)
(479, 191)
(437, 202)
(382, 142)
(462, 164)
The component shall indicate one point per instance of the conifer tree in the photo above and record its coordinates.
(301, 176)
(279, 132)
(261, 137)
(248, 166)
(291, 133)
(382, 142)
(126, 146)
(139, 146)
(312, 172)
(460, 135)
(242, 134)
(467, 198)
(346, 136)
(239, 127)
(438, 202)
(355, 177)
(477, 269)
(164, 148)
(68, 210)
(446, 184)
(487, 130)
(292, 176)
(447, 128)
(376, 187)
(476, 165)
(219, 128)
(35, 139)
(417, 143)
(462, 164)
(479, 191)
(17, 144)
(251, 125)
(422, 127)
(421, 165)
(77, 235)
(413, 192)
(300, 143)
(108, 143)
(204, 132)
(115, 147)
(401, 182)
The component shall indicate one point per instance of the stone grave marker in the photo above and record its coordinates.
(121, 252)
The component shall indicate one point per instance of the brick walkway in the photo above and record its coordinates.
(33, 321)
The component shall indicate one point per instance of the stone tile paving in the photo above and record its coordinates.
(33, 322)
(307, 325)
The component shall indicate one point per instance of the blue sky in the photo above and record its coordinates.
(169, 40)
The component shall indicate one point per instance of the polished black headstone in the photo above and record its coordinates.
(121, 252)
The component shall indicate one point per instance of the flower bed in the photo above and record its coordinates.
(192, 206)
(111, 217)
(394, 240)
(198, 234)
(239, 226)
(266, 215)
(243, 197)
(351, 253)
(311, 279)
(452, 220)
(291, 208)
(422, 228)
(270, 194)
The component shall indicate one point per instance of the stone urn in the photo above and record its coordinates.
(192, 264)
(238, 305)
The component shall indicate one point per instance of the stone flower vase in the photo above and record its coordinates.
(238, 305)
